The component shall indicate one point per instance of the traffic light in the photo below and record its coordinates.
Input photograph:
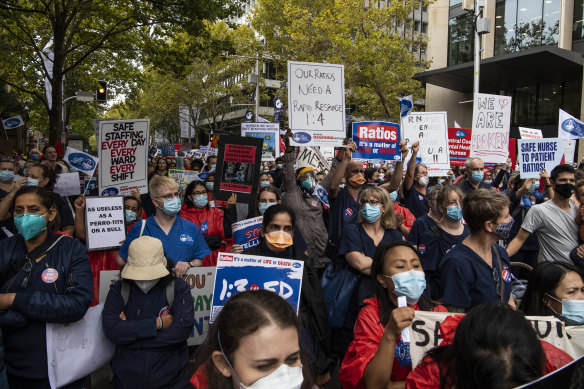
(101, 93)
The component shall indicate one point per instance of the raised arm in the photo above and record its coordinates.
(6, 202)
(345, 157)
(398, 171)
(79, 227)
(409, 180)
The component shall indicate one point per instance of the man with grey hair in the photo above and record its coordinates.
(475, 168)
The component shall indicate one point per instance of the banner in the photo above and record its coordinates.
(104, 222)
(12, 122)
(184, 177)
(85, 163)
(491, 118)
(569, 127)
(311, 156)
(425, 334)
(67, 184)
(316, 103)
(269, 133)
(238, 168)
(200, 281)
(459, 145)
(530, 133)
(123, 151)
(538, 154)
(377, 140)
(87, 184)
(431, 129)
(246, 233)
(239, 272)
(405, 105)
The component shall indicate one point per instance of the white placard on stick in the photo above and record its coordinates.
(270, 133)
(123, 151)
(491, 117)
(431, 130)
(67, 184)
(316, 103)
(569, 149)
(530, 133)
(104, 222)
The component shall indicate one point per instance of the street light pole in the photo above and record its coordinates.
(477, 49)
(257, 91)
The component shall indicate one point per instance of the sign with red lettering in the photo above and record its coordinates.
(123, 151)
(491, 118)
(459, 145)
(377, 140)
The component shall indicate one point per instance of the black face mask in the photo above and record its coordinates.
(565, 190)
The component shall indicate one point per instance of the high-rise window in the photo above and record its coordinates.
(460, 38)
(578, 32)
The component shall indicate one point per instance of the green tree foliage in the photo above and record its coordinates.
(377, 45)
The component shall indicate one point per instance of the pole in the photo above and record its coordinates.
(257, 91)
(477, 49)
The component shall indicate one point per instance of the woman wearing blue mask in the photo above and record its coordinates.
(371, 360)
(555, 289)
(44, 278)
(214, 223)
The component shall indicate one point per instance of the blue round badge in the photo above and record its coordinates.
(110, 192)
(301, 137)
(204, 227)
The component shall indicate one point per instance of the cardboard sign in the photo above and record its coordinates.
(316, 103)
(238, 168)
(87, 184)
(200, 281)
(269, 133)
(85, 163)
(530, 133)
(538, 154)
(185, 177)
(377, 140)
(311, 156)
(459, 145)
(239, 272)
(491, 118)
(246, 233)
(67, 184)
(123, 151)
(104, 222)
(431, 130)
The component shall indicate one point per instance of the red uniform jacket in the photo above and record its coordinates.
(409, 217)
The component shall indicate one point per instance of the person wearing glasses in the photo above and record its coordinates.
(376, 357)
(476, 271)
(44, 278)
(182, 240)
(214, 223)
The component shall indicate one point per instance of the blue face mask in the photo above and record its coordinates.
(279, 166)
(410, 284)
(265, 184)
(34, 157)
(201, 201)
(393, 196)
(30, 225)
(264, 206)
(573, 310)
(503, 230)
(371, 212)
(213, 166)
(308, 184)
(534, 187)
(6, 175)
(477, 176)
(171, 206)
(488, 182)
(130, 216)
(454, 213)
(210, 185)
(441, 181)
(32, 182)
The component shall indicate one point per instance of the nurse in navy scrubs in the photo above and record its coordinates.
(477, 270)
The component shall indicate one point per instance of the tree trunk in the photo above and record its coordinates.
(56, 112)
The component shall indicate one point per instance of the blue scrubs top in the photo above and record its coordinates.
(467, 280)
(344, 211)
(421, 224)
(184, 241)
(416, 202)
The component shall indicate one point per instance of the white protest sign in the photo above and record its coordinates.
(538, 154)
(491, 117)
(200, 281)
(569, 150)
(85, 163)
(67, 184)
(104, 221)
(327, 152)
(311, 156)
(185, 177)
(431, 130)
(270, 133)
(316, 103)
(123, 152)
(530, 133)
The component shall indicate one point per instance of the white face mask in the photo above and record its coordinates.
(284, 377)
(145, 286)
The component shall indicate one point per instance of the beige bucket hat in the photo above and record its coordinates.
(146, 260)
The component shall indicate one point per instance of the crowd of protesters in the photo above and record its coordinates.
(388, 237)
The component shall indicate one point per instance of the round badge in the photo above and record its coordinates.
(164, 311)
(314, 204)
(49, 275)
(348, 212)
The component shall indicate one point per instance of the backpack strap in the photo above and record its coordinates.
(125, 292)
(500, 273)
(170, 293)
(143, 225)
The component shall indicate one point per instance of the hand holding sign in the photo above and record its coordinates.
(416, 147)
(400, 318)
(403, 149)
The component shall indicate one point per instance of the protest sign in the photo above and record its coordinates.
(87, 184)
(81, 161)
(569, 150)
(12, 122)
(246, 233)
(200, 281)
(405, 105)
(123, 151)
(185, 177)
(425, 334)
(316, 103)
(327, 152)
(311, 156)
(238, 168)
(239, 272)
(530, 133)
(67, 184)
(459, 145)
(431, 130)
(539, 154)
(377, 140)
(269, 133)
(104, 222)
(569, 127)
(491, 117)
